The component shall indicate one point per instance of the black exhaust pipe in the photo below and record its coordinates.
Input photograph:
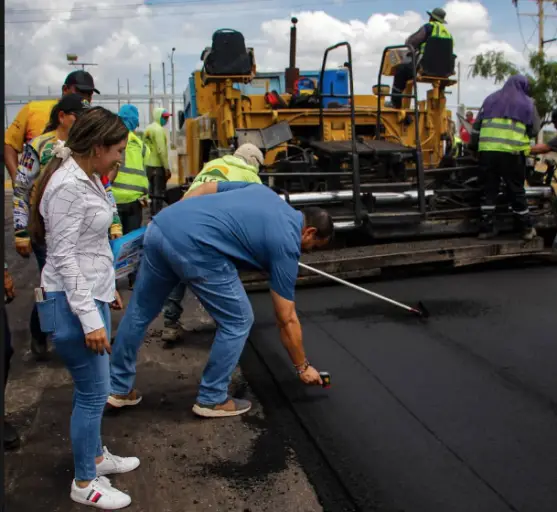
(292, 73)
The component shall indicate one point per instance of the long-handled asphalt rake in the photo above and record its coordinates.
(420, 310)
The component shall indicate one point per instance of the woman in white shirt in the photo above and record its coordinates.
(72, 214)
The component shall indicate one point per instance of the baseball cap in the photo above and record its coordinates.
(166, 113)
(73, 103)
(82, 81)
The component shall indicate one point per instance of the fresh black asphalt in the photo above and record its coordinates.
(457, 413)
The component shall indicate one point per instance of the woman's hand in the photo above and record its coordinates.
(98, 342)
(117, 303)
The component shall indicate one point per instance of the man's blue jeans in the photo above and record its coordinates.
(221, 293)
(90, 373)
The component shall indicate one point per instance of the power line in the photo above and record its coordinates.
(317, 4)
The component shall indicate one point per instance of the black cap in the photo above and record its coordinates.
(82, 81)
(73, 103)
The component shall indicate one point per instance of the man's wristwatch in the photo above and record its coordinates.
(301, 368)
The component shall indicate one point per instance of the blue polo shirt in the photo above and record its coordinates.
(245, 224)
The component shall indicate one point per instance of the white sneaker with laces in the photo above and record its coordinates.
(100, 494)
(112, 464)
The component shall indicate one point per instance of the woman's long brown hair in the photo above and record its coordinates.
(96, 127)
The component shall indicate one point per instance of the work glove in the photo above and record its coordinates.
(116, 231)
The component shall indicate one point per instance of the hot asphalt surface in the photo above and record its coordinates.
(458, 413)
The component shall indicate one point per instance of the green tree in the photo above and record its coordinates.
(541, 73)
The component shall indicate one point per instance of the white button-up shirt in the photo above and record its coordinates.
(77, 215)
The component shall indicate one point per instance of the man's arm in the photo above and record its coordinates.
(14, 139)
(419, 37)
(283, 274)
(215, 187)
(540, 149)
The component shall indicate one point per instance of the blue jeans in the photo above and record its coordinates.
(34, 324)
(221, 293)
(90, 373)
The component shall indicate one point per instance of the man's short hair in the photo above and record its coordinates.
(319, 219)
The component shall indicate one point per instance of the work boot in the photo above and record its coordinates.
(528, 234)
(487, 228)
(172, 333)
(11, 437)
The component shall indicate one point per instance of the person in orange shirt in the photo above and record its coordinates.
(32, 119)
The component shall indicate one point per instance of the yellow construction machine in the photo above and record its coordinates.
(397, 191)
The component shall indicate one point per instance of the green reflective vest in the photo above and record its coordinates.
(131, 182)
(504, 135)
(439, 30)
(227, 168)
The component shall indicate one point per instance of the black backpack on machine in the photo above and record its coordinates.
(228, 54)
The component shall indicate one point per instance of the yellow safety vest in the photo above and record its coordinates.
(439, 30)
(227, 168)
(131, 183)
(504, 135)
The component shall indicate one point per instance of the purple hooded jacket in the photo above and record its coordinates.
(511, 102)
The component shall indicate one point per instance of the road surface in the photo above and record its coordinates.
(458, 413)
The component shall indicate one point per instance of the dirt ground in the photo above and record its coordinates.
(187, 464)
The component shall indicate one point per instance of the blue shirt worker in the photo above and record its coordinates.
(230, 225)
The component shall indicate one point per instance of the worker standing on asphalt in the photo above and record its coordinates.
(506, 122)
(131, 186)
(36, 155)
(229, 225)
(404, 72)
(31, 120)
(243, 165)
(158, 168)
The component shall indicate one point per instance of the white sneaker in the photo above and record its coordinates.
(112, 464)
(100, 494)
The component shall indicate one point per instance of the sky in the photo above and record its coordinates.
(124, 36)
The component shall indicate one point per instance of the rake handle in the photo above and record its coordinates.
(356, 287)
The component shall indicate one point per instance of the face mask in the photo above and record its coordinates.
(164, 121)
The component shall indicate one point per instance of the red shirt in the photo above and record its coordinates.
(464, 135)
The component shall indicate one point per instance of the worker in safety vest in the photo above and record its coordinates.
(158, 168)
(435, 27)
(243, 165)
(31, 120)
(131, 186)
(505, 124)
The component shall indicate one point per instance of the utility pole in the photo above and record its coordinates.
(173, 101)
(458, 85)
(118, 95)
(541, 41)
(165, 99)
(128, 80)
(150, 95)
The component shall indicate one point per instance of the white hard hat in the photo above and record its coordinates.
(251, 154)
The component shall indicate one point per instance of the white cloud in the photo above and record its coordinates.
(124, 40)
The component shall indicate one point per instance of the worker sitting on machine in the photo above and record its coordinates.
(434, 28)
